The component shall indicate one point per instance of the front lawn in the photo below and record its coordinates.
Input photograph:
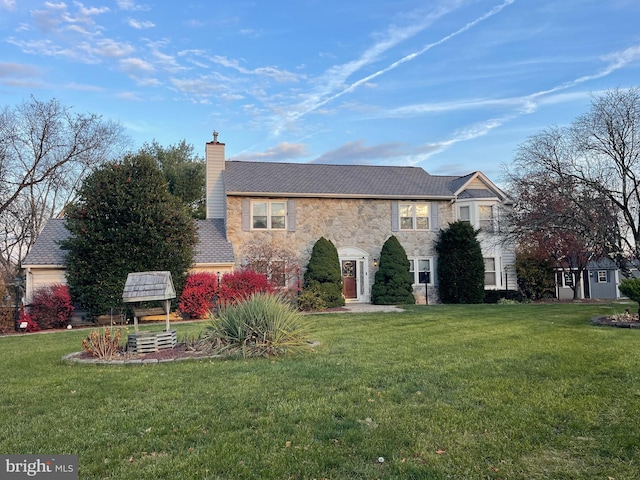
(455, 392)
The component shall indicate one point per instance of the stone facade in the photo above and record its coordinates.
(351, 224)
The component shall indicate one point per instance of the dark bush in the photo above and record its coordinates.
(460, 264)
(393, 280)
(494, 296)
(323, 275)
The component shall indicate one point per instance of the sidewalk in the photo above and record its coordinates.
(362, 308)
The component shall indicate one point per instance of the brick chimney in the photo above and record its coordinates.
(216, 198)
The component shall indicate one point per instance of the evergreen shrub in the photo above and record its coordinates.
(460, 264)
(393, 283)
(323, 275)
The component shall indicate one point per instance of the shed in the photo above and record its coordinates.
(148, 287)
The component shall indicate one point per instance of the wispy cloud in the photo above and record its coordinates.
(335, 88)
(272, 72)
(18, 70)
(283, 151)
(131, 6)
(513, 107)
(140, 25)
(8, 4)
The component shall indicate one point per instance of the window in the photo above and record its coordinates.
(486, 217)
(602, 276)
(414, 216)
(268, 215)
(277, 273)
(464, 214)
(423, 273)
(490, 272)
(565, 279)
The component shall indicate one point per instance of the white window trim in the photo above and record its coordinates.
(494, 271)
(414, 217)
(269, 203)
(600, 278)
(474, 213)
(416, 274)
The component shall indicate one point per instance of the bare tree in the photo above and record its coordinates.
(46, 150)
(277, 261)
(583, 180)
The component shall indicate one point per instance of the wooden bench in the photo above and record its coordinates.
(147, 312)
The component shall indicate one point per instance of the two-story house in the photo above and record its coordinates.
(357, 207)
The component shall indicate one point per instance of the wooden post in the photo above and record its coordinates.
(167, 307)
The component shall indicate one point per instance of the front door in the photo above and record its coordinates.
(349, 279)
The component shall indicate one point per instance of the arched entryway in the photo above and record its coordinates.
(354, 263)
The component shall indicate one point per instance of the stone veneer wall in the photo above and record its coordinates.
(360, 223)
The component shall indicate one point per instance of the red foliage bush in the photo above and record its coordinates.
(24, 317)
(51, 306)
(240, 284)
(198, 294)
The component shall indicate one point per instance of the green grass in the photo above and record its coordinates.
(441, 392)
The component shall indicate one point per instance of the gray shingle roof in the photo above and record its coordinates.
(306, 179)
(212, 246)
(148, 286)
(46, 250)
(477, 193)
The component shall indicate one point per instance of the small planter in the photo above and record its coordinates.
(145, 342)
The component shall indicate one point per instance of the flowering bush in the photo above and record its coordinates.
(51, 306)
(241, 284)
(198, 294)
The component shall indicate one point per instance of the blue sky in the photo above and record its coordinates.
(452, 86)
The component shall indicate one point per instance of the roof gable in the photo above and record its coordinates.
(148, 286)
(476, 185)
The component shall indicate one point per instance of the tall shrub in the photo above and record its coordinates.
(460, 264)
(125, 220)
(198, 295)
(393, 281)
(323, 275)
(51, 306)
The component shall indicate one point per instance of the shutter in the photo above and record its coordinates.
(395, 216)
(434, 216)
(434, 271)
(246, 214)
(291, 215)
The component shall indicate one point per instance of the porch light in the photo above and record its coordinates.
(375, 262)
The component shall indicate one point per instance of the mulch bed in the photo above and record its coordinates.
(630, 322)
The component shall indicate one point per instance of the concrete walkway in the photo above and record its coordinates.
(363, 308)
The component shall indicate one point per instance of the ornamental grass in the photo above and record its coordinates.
(264, 325)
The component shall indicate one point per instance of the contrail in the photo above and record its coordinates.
(405, 59)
